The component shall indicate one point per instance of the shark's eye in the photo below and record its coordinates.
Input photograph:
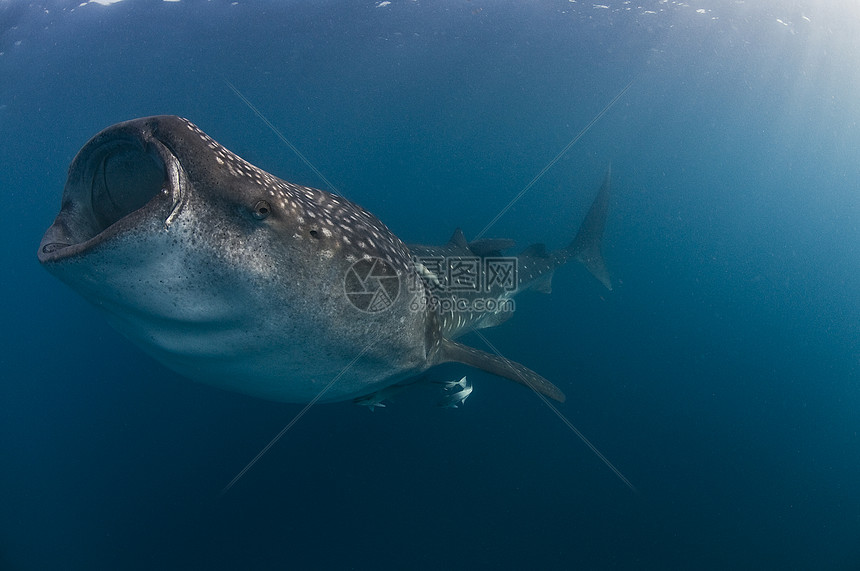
(261, 210)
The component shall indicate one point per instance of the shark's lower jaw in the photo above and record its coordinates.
(114, 177)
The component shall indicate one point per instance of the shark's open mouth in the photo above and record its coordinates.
(115, 178)
(124, 178)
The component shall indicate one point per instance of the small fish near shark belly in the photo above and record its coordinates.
(236, 278)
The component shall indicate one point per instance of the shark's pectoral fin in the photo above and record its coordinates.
(451, 351)
(586, 247)
(458, 240)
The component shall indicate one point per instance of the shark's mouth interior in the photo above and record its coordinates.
(124, 179)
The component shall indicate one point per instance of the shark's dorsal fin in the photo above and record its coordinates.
(458, 240)
(586, 247)
(451, 351)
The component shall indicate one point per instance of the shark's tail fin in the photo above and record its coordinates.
(586, 247)
(452, 351)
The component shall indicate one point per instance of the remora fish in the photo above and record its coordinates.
(233, 277)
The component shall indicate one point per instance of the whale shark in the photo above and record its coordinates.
(233, 277)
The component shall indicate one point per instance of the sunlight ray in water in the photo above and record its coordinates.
(281, 136)
(567, 422)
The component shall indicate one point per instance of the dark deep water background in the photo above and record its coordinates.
(722, 376)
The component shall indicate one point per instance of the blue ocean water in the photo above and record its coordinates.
(720, 376)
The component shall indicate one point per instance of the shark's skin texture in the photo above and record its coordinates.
(233, 277)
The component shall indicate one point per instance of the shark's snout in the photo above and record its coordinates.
(122, 174)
